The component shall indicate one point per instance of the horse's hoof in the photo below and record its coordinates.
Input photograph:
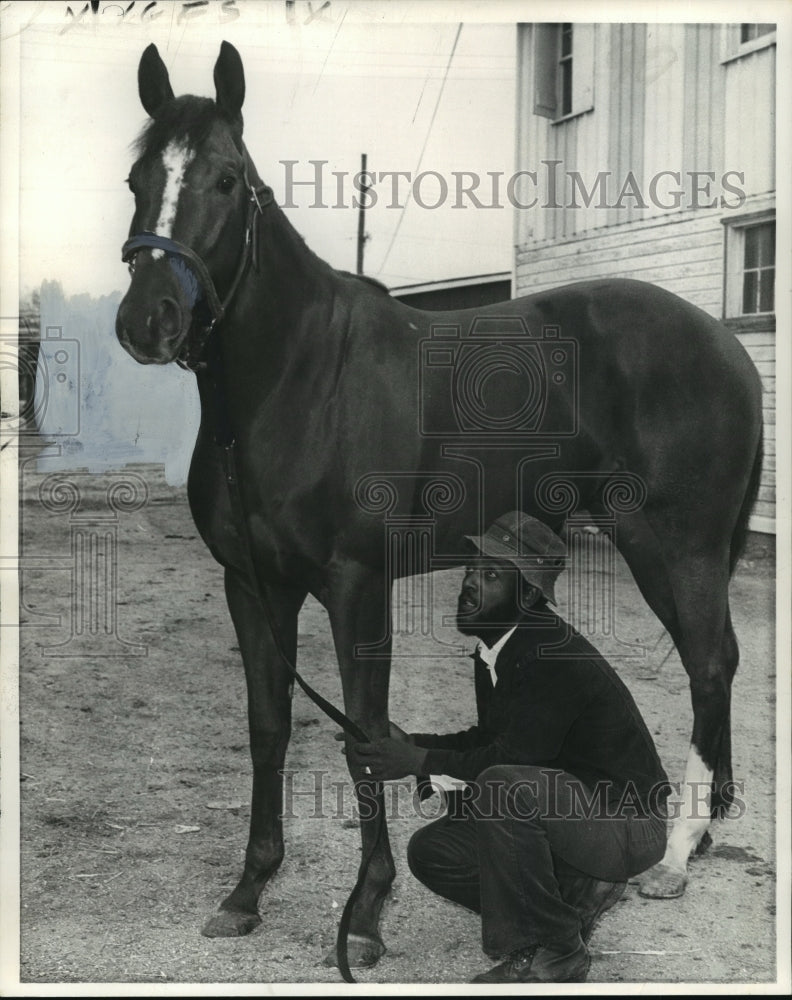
(230, 923)
(362, 952)
(663, 882)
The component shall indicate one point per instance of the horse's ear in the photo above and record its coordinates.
(229, 78)
(153, 83)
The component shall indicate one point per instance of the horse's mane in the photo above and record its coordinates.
(184, 119)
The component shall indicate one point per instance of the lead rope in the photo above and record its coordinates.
(227, 442)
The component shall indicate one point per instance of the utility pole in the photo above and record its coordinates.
(361, 233)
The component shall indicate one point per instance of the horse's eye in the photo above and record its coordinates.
(226, 185)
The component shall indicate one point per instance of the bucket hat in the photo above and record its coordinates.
(533, 547)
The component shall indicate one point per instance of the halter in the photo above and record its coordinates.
(196, 270)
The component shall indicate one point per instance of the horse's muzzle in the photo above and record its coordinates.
(154, 336)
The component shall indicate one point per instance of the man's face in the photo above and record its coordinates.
(488, 603)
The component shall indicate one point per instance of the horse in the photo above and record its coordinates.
(338, 424)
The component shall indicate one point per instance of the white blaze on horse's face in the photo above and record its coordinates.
(176, 157)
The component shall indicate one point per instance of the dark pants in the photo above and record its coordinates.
(498, 856)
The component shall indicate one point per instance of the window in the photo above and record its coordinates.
(563, 59)
(565, 69)
(748, 32)
(758, 283)
(750, 267)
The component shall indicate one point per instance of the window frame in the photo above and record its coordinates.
(548, 75)
(735, 230)
(733, 48)
(566, 68)
(760, 34)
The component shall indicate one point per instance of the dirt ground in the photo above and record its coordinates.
(136, 781)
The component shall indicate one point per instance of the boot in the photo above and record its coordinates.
(555, 962)
(590, 896)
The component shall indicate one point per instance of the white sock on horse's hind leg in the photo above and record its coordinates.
(694, 812)
(669, 878)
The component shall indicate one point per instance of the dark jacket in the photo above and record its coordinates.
(564, 708)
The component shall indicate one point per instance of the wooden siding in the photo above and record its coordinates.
(750, 116)
(703, 94)
(627, 112)
(579, 143)
(684, 255)
(664, 96)
(667, 97)
(761, 347)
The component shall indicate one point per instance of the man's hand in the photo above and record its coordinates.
(396, 733)
(385, 760)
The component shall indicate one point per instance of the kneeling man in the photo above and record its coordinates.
(564, 792)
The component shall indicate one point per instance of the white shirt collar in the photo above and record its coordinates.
(489, 654)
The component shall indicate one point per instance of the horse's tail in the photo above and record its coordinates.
(740, 534)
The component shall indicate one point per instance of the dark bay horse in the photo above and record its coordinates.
(359, 424)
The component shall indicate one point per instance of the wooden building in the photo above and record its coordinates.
(456, 293)
(648, 151)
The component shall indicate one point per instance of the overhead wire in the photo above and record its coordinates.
(329, 51)
(423, 149)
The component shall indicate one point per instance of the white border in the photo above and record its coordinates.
(14, 16)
